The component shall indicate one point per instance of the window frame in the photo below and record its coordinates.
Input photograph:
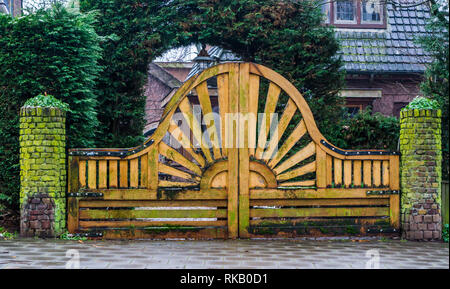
(358, 23)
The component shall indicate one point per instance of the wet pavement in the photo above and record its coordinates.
(223, 254)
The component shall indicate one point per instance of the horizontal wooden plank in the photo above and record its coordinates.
(158, 233)
(137, 224)
(319, 212)
(146, 194)
(174, 203)
(131, 214)
(321, 222)
(321, 202)
(311, 193)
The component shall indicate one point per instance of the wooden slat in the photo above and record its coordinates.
(164, 183)
(205, 103)
(197, 233)
(312, 193)
(320, 212)
(385, 173)
(176, 172)
(130, 214)
(193, 123)
(134, 173)
(222, 90)
(153, 162)
(321, 170)
(329, 170)
(253, 96)
(367, 172)
(82, 174)
(357, 180)
(72, 215)
(271, 103)
(394, 211)
(145, 194)
(319, 202)
(144, 170)
(92, 174)
(155, 203)
(233, 159)
(297, 134)
(337, 171)
(394, 177)
(185, 141)
(175, 156)
(299, 156)
(244, 164)
(123, 170)
(283, 123)
(347, 173)
(308, 183)
(102, 174)
(113, 181)
(336, 222)
(308, 168)
(137, 224)
(376, 173)
(73, 174)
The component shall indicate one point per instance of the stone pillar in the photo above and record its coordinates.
(42, 171)
(421, 155)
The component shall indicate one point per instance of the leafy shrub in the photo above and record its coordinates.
(287, 36)
(420, 102)
(445, 230)
(50, 50)
(370, 131)
(46, 100)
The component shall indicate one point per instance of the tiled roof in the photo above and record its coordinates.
(390, 50)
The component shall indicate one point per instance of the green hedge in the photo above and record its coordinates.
(370, 131)
(53, 51)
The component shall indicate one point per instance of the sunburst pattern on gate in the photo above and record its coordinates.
(197, 138)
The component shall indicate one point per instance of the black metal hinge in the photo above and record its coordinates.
(85, 195)
(383, 192)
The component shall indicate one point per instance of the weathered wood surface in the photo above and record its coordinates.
(231, 168)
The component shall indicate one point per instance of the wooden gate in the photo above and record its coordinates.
(232, 174)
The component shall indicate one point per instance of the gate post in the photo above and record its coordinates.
(421, 155)
(42, 171)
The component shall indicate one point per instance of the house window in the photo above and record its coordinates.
(354, 13)
(353, 109)
(325, 6)
(371, 11)
(345, 11)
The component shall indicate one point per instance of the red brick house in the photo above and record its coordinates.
(383, 62)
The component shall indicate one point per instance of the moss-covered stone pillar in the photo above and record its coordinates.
(42, 171)
(421, 155)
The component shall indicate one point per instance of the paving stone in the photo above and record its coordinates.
(223, 254)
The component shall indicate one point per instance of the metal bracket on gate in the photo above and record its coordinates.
(86, 195)
(89, 234)
(383, 192)
(384, 230)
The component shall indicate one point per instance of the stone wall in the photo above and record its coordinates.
(42, 171)
(421, 155)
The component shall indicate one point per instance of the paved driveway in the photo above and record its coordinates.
(32, 253)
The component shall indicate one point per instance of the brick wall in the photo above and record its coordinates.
(421, 155)
(396, 89)
(42, 171)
